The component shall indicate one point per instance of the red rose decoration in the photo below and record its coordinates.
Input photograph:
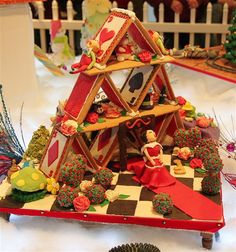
(69, 127)
(145, 56)
(195, 163)
(182, 113)
(181, 100)
(91, 117)
(81, 203)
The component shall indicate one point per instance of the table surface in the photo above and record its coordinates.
(201, 66)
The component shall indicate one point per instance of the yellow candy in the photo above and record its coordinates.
(41, 186)
(35, 176)
(20, 182)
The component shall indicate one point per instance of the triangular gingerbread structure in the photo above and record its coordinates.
(129, 98)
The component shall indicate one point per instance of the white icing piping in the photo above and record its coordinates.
(132, 113)
(124, 11)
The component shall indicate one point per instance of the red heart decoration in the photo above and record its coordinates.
(106, 35)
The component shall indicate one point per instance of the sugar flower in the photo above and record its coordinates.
(111, 195)
(85, 184)
(52, 186)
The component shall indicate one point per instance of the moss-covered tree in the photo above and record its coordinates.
(37, 144)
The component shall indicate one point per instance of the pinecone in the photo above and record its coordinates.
(135, 247)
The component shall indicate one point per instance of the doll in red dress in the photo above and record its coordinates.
(153, 174)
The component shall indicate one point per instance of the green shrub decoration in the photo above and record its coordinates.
(187, 138)
(72, 171)
(211, 185)
(103, 177)
(202, 152)
(162, 203)
(213, 164)
(37, 144)
(96, 194)
(66, 196)
(208, 143)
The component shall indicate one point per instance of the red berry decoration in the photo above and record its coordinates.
(103, 177)
(145, 56)
(202, 153)
(211, 185)
(209, 143)
(187, 138)
(66, 196)
(213, 164)
(96, 194)
(72, 171)
(162, 203)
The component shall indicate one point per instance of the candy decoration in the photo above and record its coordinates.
(37, 144)
(24, 197)
(209, 143)
(81, 203)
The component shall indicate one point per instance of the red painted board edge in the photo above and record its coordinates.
(203, 226)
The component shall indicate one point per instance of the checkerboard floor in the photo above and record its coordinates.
(139, 202)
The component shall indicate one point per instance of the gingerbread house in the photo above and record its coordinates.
(110, 131)
(106, 137)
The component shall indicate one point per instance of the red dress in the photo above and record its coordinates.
(154, 176)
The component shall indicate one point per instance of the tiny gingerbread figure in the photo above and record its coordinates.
(154, 173)
(159, 40)
(88, 58)
(125, 50)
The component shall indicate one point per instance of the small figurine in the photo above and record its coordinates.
(14, 168)
(60, 113)
(154, 173)
(179, 169)
(88, 59)
(195, 52)
(147, 102)
(95, 13)
(159, 40)
(125, 50)
(62, 53)
(97, 107)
